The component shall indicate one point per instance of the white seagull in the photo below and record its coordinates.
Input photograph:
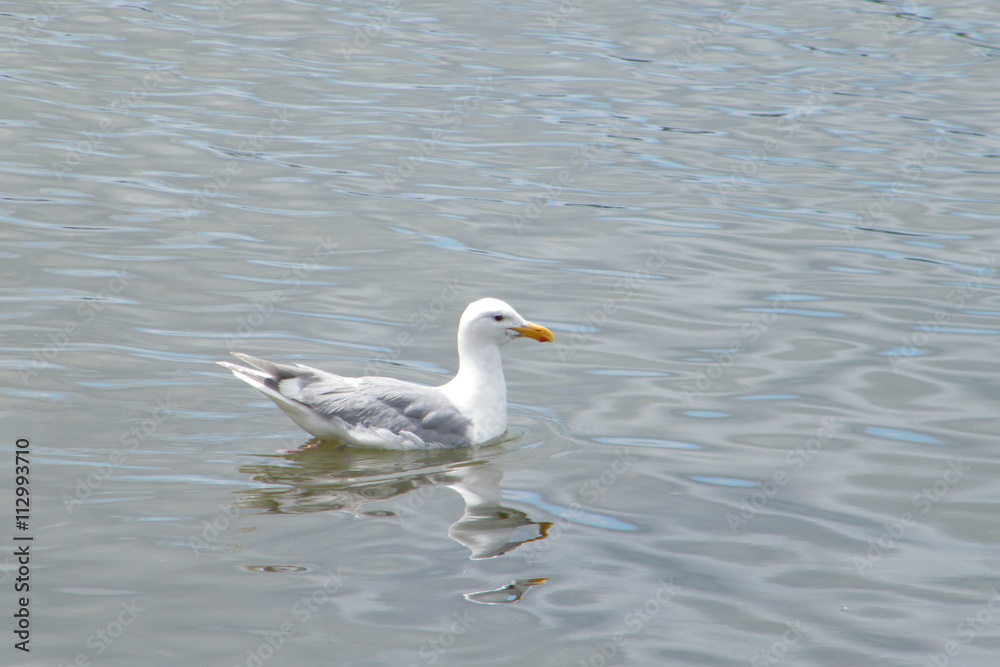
(387, 413)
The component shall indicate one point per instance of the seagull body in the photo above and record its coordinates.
(388, 413)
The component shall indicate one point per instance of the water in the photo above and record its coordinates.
(765, 236)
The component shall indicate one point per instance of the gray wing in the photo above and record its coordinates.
(387, 403)
(374, 402)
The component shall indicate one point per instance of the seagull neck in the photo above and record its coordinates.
(480, 368)
(478, 388)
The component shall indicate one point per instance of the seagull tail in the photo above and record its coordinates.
(265, 382)
(266, 379)
(278, 372)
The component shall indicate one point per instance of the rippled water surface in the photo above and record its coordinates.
(765, 236)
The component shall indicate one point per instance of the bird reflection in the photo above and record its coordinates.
(323, 477)
(512, 592)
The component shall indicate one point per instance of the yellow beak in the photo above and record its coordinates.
(536, 331)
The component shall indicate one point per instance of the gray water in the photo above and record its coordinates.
(764, 234)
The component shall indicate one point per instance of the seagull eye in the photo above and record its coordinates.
(498, 318)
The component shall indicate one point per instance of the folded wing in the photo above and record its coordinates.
(363, 410)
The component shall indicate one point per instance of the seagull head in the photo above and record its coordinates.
(494, 320)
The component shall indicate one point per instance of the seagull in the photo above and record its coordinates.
(387, 413)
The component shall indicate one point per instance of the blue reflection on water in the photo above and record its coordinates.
(572, 515)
